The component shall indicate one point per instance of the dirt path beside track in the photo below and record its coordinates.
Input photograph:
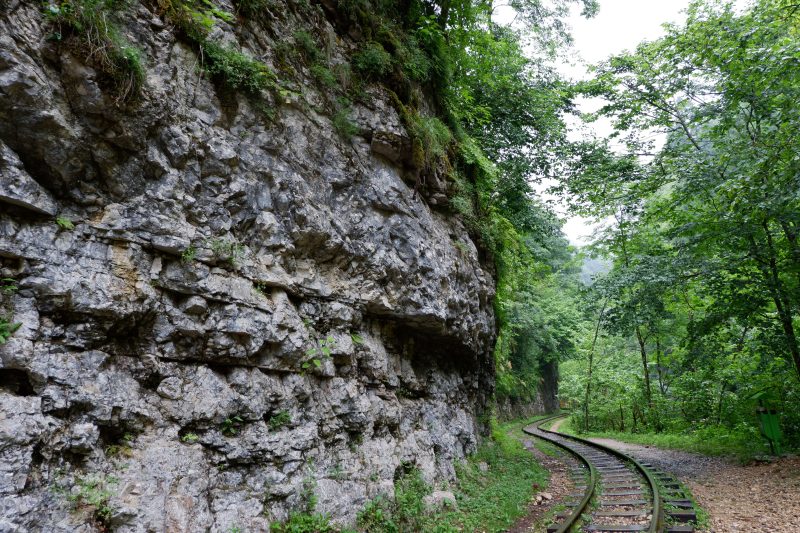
(761, 497)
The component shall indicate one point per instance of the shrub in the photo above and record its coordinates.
(414, 62)
(236, 70)
(372, 61)
(308, 46)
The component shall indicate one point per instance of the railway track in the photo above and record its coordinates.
(618, 494)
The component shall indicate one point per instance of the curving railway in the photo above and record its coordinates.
(616, 492)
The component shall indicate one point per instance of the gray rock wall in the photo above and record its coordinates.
(248, 311)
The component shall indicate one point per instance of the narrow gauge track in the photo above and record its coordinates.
(623, 493)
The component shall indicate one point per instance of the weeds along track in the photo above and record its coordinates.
(618, 494)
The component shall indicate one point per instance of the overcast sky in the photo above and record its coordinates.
(620, 25)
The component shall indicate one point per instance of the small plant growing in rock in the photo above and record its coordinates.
(65, 223)
(230, 426)
(305, 523)
(236, 70)
(308, 46)
(320, 352)
(7, 328)
(189, 254)
(337, 472)
(252, 8)
(323, 347)
(316, 363)
(229, 251)
(261, 287)
(8, 285)
(279, 420)
(462, 247)
(356, 440)
(341, 120)
(190, 438)
(356, 338)
(122, 449)
(93, 493)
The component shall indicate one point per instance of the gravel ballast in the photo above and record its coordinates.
(760, 497)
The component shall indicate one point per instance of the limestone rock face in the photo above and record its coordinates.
(248, 310)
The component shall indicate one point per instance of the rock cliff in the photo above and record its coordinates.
(225, 311)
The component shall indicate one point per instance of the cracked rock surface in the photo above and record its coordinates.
(247, 310)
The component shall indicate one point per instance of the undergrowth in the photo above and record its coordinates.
(486, 501)
(743, 443)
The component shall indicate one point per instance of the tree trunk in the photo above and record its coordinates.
(589, 373)
(658, 366)
(445, 14)
(790, 232)
(724, 384)
(769, 269)
(643, 349)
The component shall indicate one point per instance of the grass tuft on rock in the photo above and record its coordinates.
(93, 27)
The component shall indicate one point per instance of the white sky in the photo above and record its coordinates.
(620, 25)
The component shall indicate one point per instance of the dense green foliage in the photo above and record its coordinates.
(699, 314)
(506, 110)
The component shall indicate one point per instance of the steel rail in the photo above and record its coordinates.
(573, 518)
(657, 520)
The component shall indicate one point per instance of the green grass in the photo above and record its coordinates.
(341, 120)
(486, 501)
(744, 443)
